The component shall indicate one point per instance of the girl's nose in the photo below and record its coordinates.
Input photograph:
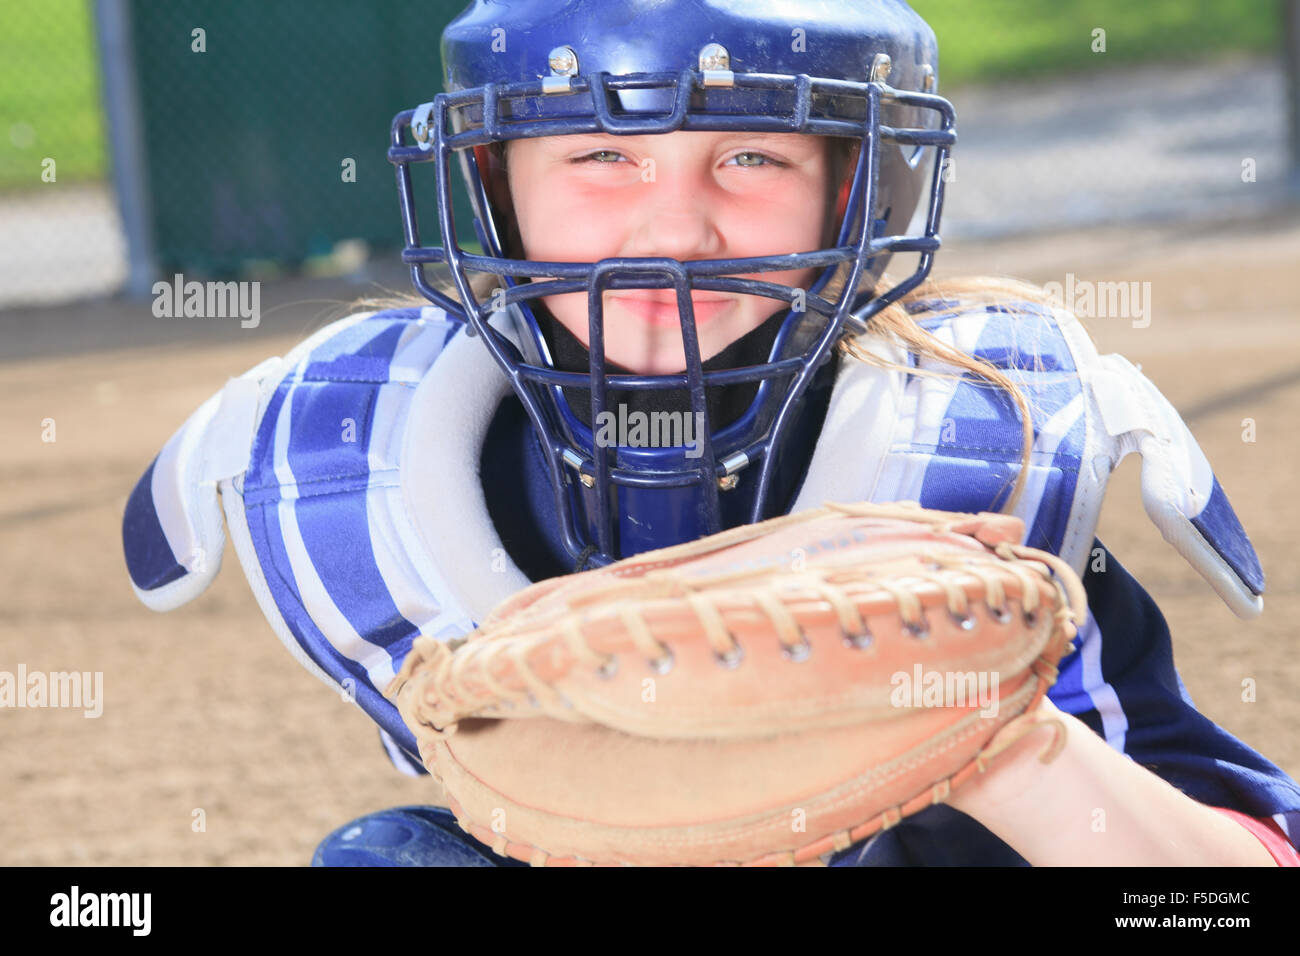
(674, 220)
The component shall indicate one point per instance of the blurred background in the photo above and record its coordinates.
(1155, 143)
(211, 138)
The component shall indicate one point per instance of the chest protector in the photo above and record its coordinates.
(348, 475)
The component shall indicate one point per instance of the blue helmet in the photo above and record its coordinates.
(863, 71)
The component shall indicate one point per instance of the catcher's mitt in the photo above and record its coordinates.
(748, 698)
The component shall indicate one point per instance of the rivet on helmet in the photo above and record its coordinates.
(422, 126)
(715, 64)
(880, 68)
(563, 61)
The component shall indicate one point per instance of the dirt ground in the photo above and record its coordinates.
(204, 710)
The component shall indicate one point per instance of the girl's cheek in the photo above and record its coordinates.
(576, 233)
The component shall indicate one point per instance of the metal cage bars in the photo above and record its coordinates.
(595, 278)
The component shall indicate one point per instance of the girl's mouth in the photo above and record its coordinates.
(658, 309)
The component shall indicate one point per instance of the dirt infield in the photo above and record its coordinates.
(205, 711)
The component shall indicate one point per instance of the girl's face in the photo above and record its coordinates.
(683, 195)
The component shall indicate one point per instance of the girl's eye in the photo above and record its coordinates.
(754, 159)
(601, 156)
(747, 159)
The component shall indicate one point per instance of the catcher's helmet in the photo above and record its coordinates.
(531, 68)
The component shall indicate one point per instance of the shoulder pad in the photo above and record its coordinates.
(172, 530)
(954, 444)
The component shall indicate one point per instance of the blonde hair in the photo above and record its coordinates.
(899, 324)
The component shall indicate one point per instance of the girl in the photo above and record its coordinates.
(645, 262)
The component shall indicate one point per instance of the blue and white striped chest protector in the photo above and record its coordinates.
(348, 472)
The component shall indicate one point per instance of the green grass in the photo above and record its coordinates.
(995, 39)
(49, 93)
